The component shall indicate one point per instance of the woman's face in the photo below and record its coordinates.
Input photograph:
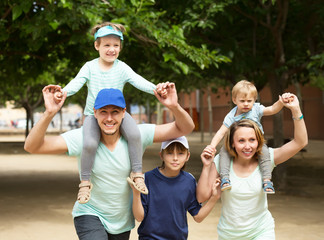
(245, 142)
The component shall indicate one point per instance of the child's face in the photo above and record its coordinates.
(174, 160)
(108, 48)
(244, 103)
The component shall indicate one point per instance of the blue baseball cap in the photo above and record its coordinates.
(108, 30)
(109, 96)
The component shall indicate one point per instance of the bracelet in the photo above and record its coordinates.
(297, 119)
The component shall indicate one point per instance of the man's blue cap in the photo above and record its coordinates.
(110, 96)
(108, 30)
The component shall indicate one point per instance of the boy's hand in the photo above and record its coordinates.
(216, 191)
(208, 154)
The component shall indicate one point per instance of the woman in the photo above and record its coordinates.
(245, 213)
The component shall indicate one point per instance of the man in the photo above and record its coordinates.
(108, 214)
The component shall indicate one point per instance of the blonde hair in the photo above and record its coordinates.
(229, 138)
(245, 88)
(116, 26)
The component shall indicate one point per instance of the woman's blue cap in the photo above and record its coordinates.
(109, 96)
(108, 30)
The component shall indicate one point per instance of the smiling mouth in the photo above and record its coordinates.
(109, 125)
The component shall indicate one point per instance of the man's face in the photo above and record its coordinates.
(109, 119)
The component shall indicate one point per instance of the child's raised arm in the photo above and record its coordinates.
(219, 136)
(278, 105)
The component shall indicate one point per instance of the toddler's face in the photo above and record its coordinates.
(244, 102)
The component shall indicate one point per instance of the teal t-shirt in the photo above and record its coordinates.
(245, 213)
(111, 196)
(96, 79)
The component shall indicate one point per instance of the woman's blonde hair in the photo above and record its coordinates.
(245, 88)
(229, 138)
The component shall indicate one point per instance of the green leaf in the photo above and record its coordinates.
(16, 12)
(184, 67)
(54, 25)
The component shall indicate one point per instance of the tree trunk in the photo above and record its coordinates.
(201, 115)
(280, 172)
(299, 95)
(210, 113)
(190, 106)
(61, 121)
(148, 111)
(159, 113)
(29, 118)
(139, 114)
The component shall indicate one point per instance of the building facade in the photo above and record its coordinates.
(312, 103)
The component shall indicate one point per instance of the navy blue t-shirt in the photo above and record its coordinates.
(166, 206)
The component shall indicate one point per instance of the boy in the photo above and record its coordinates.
(172, 192)
(244, 95)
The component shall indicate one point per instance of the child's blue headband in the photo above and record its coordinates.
(108, 30)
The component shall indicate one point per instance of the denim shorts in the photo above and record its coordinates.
(89, 227)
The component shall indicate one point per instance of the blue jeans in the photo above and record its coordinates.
(90, 228)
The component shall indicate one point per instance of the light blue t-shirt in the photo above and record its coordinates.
(111, 196)
(244, 213)
(254, 114)
(96, 80)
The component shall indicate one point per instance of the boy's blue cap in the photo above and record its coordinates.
(108, 30)
(182, 140)
(110, 96)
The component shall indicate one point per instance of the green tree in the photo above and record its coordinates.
(36, 41)
(46, 42)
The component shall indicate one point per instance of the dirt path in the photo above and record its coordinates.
(37, 193)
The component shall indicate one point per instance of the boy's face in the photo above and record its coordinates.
(109, 48)
(243, 102)
(174, 159)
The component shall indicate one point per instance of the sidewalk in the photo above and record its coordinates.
(38, 193)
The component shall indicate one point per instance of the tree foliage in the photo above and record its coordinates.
(47, 41)
(195, 43)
